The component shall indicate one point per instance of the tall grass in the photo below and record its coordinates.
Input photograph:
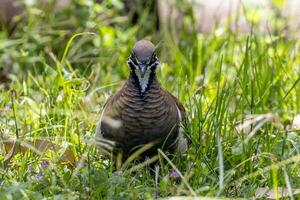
(62, 75)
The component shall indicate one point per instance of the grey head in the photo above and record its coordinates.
(143, 63)
(143, 50)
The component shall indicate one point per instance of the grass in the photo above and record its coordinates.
(63, 67)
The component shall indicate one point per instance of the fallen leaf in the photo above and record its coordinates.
(11, 153)
(271, 194)
(197, 198)
(39, 147)
(296, 122)
(253, 123)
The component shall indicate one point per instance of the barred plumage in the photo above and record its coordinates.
(143, 115)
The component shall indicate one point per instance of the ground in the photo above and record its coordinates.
(241, 93)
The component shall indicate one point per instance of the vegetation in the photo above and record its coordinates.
(63, 67)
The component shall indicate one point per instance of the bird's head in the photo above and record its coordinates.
(143, 62)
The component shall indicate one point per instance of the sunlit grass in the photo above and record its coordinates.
(62, 77)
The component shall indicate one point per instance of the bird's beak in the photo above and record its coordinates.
(143, 69)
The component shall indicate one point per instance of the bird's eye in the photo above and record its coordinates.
(134, 60)
(153, 59)
(137, 61)
(149, 61)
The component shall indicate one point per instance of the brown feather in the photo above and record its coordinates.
(142, 111)
(144, 119)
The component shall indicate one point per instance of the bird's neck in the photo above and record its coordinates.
(143, 86)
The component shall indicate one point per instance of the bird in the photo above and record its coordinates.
(141, 112)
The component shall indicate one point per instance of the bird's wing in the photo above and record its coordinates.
(180, 108)
(108, 125)
(112, 108)
(182, 141)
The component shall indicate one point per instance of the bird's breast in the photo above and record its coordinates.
(150, 116)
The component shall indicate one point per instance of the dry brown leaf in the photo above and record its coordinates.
(271, 194)
(198, 198)
(253, 123)
(296, 122)
(39, 147)
(15, 147)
